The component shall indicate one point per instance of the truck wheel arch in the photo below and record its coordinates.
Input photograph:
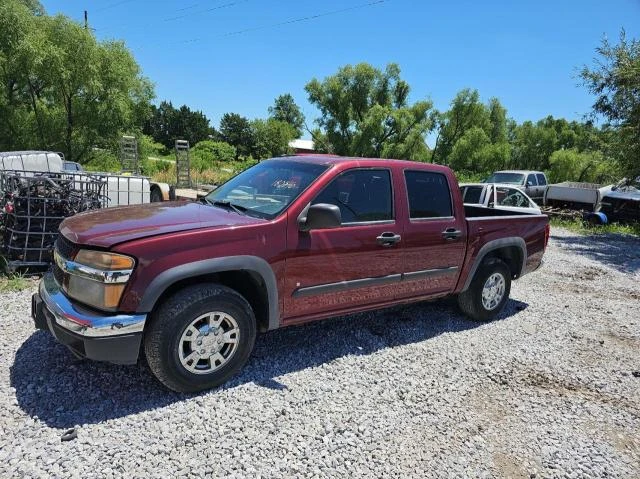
(502, 248)
(253, 264)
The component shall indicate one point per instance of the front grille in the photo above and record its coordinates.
(57, 274)
(65, 247)
(66, 250)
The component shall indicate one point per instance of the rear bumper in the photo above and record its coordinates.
(101, 337)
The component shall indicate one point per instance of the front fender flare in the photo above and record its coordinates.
(216, 265)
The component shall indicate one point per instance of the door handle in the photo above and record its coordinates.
(388, 239)
(451, 234)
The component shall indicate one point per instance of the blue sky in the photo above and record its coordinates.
(525, 53)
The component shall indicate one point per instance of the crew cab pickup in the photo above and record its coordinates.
(290, 240)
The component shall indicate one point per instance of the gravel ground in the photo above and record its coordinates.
(551, 389)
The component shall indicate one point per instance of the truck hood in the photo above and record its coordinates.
(108, 227)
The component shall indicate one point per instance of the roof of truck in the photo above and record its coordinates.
(325, 159)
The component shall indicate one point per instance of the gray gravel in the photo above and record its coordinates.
(548, 390)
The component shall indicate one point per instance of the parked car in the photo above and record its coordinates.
(504, 197)
(621, 203)
(533, 183)
(289, 240)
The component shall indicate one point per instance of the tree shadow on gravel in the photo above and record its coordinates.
(63, 391)
(621, 252)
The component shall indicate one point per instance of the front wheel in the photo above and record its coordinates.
(200, 337)
(488, 292)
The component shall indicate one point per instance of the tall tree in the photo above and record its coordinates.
(285, 109)
(63, 89)
(615, 81)
(366, 112)
(168, 124)
(271, 138)
(236, 130)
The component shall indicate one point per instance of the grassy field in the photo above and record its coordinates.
(585, 228)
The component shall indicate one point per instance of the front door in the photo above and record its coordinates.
(358, 263)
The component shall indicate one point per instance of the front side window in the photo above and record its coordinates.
(266, 189)
(362, 195)
(532, 179)
(429, 195)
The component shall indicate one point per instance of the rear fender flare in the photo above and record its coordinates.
(198, 268)
(492, 246)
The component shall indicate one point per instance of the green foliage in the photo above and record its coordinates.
(211, 154)
(585, 228)
(236, 130)
(615, 81)
(271, 138)
(285, 109)
(366, 112)
(167, 124)
(64, 89)
(102, 160)
(589, 166)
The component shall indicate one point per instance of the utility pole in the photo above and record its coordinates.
(86, 21)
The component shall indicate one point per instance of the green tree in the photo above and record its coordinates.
(63, 90)
(236, 130)
(168, 124)
(366, 112)
(271, 138)
(466, 112)
(614, 79)
(285, 109)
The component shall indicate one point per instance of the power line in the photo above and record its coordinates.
(113, 5)
(294, 20)
(226, 5)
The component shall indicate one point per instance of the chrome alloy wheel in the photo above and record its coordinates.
(493, 291)
(208, 342)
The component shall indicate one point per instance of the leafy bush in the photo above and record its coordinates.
(104, 161)
(210, 154)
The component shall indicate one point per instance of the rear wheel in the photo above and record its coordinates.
(156, 195)
(488, 292)
(200, 337)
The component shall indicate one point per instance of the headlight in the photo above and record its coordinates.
(97, 278)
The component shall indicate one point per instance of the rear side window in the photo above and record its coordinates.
(471, 194)
(429, 195)
(532, 179)
(541, 179)
(362, 196)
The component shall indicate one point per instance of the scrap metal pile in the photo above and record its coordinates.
(32, 206)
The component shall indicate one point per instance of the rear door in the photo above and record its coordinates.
(434, 236)
(359, 263)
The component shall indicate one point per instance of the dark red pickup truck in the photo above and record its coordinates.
(289, 240)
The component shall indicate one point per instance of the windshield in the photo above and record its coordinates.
(506, 178)
(264, 190)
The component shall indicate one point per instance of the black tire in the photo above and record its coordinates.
(162, 342)
(156, 195)
(470, 301)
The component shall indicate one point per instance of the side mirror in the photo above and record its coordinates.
(529, 184)
(491, 204)
(320, 216)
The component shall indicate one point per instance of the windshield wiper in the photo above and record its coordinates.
(241, 210)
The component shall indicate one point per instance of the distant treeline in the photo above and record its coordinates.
(63, 90)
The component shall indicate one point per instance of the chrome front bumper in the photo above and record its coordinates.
(113, 338)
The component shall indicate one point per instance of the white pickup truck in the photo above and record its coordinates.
(502, 197)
